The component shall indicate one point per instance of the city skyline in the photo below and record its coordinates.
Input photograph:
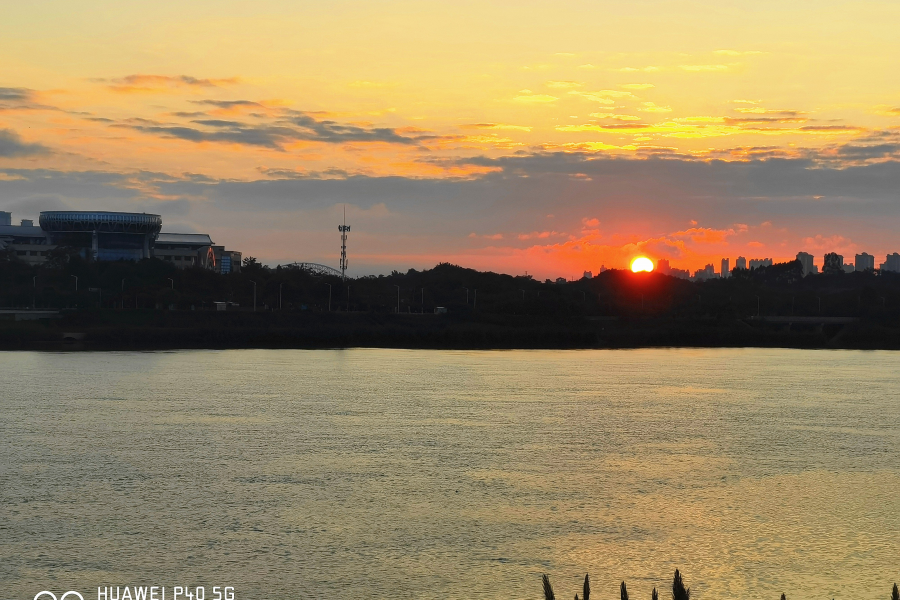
(569, 137)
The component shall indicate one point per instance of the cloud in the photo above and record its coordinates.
(292, 126)
(495, 126)
(637, 86)
(651, 107)
(705, 68)
(12, 146)
(530, 98)
(142, 83)
(564, 85)
(14, 99)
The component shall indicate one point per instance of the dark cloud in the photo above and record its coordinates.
(227, 103)
(748, 120)
(12, 146)
(298, 127)
(144, 82)
(21, 99)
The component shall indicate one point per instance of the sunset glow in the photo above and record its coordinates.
(641, 264)
(686, 132)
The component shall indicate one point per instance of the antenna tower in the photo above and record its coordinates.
(344, 229)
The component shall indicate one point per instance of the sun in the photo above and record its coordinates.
(641, 263)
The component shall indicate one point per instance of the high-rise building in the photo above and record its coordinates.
(807, 262)
(740, 263)
(891, 263)
(707, 272)
(662, 266)
(865, 262)
(756, 263)
(587, 275)
(5, 218)
(726, 272)
(848, 268)
(833, 263)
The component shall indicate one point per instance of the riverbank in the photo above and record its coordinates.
(160, 329)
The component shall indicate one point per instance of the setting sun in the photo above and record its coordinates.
(641, 263)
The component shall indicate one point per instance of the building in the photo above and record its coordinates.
(756, 263)
(891, 263)
(848, 268)
(707, 272)
(833, 263)
(587, 275)
(662, 266)
(726, 270)
(110, 236)
(740, 263)
(806, 261)
(865, 262)
(25, 241)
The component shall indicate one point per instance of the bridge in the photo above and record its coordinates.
(313, 268)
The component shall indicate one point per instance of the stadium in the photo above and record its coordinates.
(111, 236)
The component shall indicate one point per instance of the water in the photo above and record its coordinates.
(428, 474)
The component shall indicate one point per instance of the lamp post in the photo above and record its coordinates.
(398, 298)
(34, 293)
(280, 285)
(467, 295)
(475, 298)
(329, 296)
(757, 307)
(171, 282)
(76, 281)
(123, 294)
(523, 295)
(254, 295)
(423, 301)
(348, 298)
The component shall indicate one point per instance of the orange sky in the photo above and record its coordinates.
(514, 136)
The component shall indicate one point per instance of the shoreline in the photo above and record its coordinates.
(195, 330)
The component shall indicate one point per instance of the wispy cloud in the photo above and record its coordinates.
(12, 146)
(705, 68)
(143, 83)
(501, 126)
(564, 85)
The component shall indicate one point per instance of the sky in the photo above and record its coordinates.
(547, 138)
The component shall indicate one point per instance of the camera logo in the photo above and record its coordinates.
(63, 597)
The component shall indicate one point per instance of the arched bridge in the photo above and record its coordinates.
(313, 268)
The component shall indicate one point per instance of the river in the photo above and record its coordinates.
(373, 473)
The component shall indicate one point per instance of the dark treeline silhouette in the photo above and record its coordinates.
(778, 290)
(299, 309)
(679, 591)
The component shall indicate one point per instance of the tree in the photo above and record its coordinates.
(679, 592)
(548, 589)
(834, 263)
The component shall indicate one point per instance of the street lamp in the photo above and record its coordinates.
(280, 285)
(171, 281)
(398, 298)
(76, 281)
(254, 295)
(348, 298)
(475, 298)
(523, 295)
(467, 294)
(757, 307)
(34, 293)
(329, 296)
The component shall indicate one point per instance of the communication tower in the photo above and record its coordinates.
(344, 229)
